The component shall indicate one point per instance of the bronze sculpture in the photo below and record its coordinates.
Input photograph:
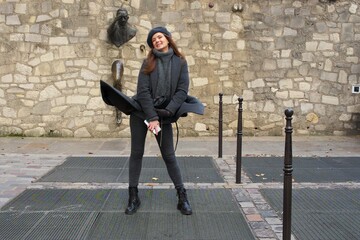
(120, 32)
(117, 69)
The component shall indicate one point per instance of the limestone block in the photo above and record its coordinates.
(94, 8)
(311, 46)
(13, 20)
(80, 121)
(58, 109)
(23, 69)
(223, 17)
(330, 100)
(289, 32)
(66, 133)
(306, 107)
(226, 56)
(282, 94)
(248, 95)
(96, 103)
(58, 41)
(228, 133)
(51, 118)
(49, 92)
(77, 99)
(269, 64)
(355, 68)
(88, 75)
(342, 77)
(200, 127)
(43, 18)
(146, 24)
(345, 117)
(328, 65)
(102, 128)
(8, 78)
(256, 83)
(320, 36)
(171, 17)
(82, 133)
(269, 106)
(284, 63)
(325, 46)
(20, 8)
(82, 32)
(200, 81)
(353, 8)
(329, 76)
(17, 37)
(285, 53)
(27, 86)
(304, 86)
(68, 1)
(30, 37)
(34, 62)
(43, 69)
(36, 132)
(275, 117)
(339, 133)
(296, 94)
(352, 60)
(286, 84)
(240, 44)
(308, 57)
(228, 35)
(9, 112)
(248, 124)
(267, 126)
(19, 78)
(353, 108)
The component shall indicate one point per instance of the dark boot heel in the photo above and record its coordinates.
(134, 201)
(183, 204)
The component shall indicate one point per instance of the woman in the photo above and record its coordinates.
(162, 89)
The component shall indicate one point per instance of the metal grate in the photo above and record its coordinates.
(115, 169)
(99, 214)
(321, 213)
(316, 169)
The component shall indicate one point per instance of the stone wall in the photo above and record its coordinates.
(274, 53)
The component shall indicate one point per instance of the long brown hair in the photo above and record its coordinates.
(150, 60)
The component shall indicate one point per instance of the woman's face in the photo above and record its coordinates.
(160, 42)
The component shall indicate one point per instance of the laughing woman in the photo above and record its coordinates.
(162, 89)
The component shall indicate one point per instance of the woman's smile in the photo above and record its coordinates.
(160, 42)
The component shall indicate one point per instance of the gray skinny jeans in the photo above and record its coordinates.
(138, 136)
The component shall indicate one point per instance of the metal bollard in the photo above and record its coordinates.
(220, 125)
(239, 142)
(287, 176)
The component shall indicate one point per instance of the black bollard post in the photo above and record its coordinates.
(287, 177)
(220, 125)
(239, 142)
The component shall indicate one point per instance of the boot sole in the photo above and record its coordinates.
(132, 212)
(184, 212)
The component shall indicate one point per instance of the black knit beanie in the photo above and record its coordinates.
(156, 30)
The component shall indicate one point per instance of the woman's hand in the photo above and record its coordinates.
(154, 125)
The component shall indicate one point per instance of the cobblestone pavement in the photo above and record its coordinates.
(24, 160)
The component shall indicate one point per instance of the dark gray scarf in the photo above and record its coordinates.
(163, 62)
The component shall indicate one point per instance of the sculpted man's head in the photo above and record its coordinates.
(122, 17)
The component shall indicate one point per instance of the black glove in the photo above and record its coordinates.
(163, 113)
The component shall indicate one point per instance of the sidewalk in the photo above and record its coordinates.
(24, 160)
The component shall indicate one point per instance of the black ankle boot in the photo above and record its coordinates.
(183, 204)
(134, 201)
